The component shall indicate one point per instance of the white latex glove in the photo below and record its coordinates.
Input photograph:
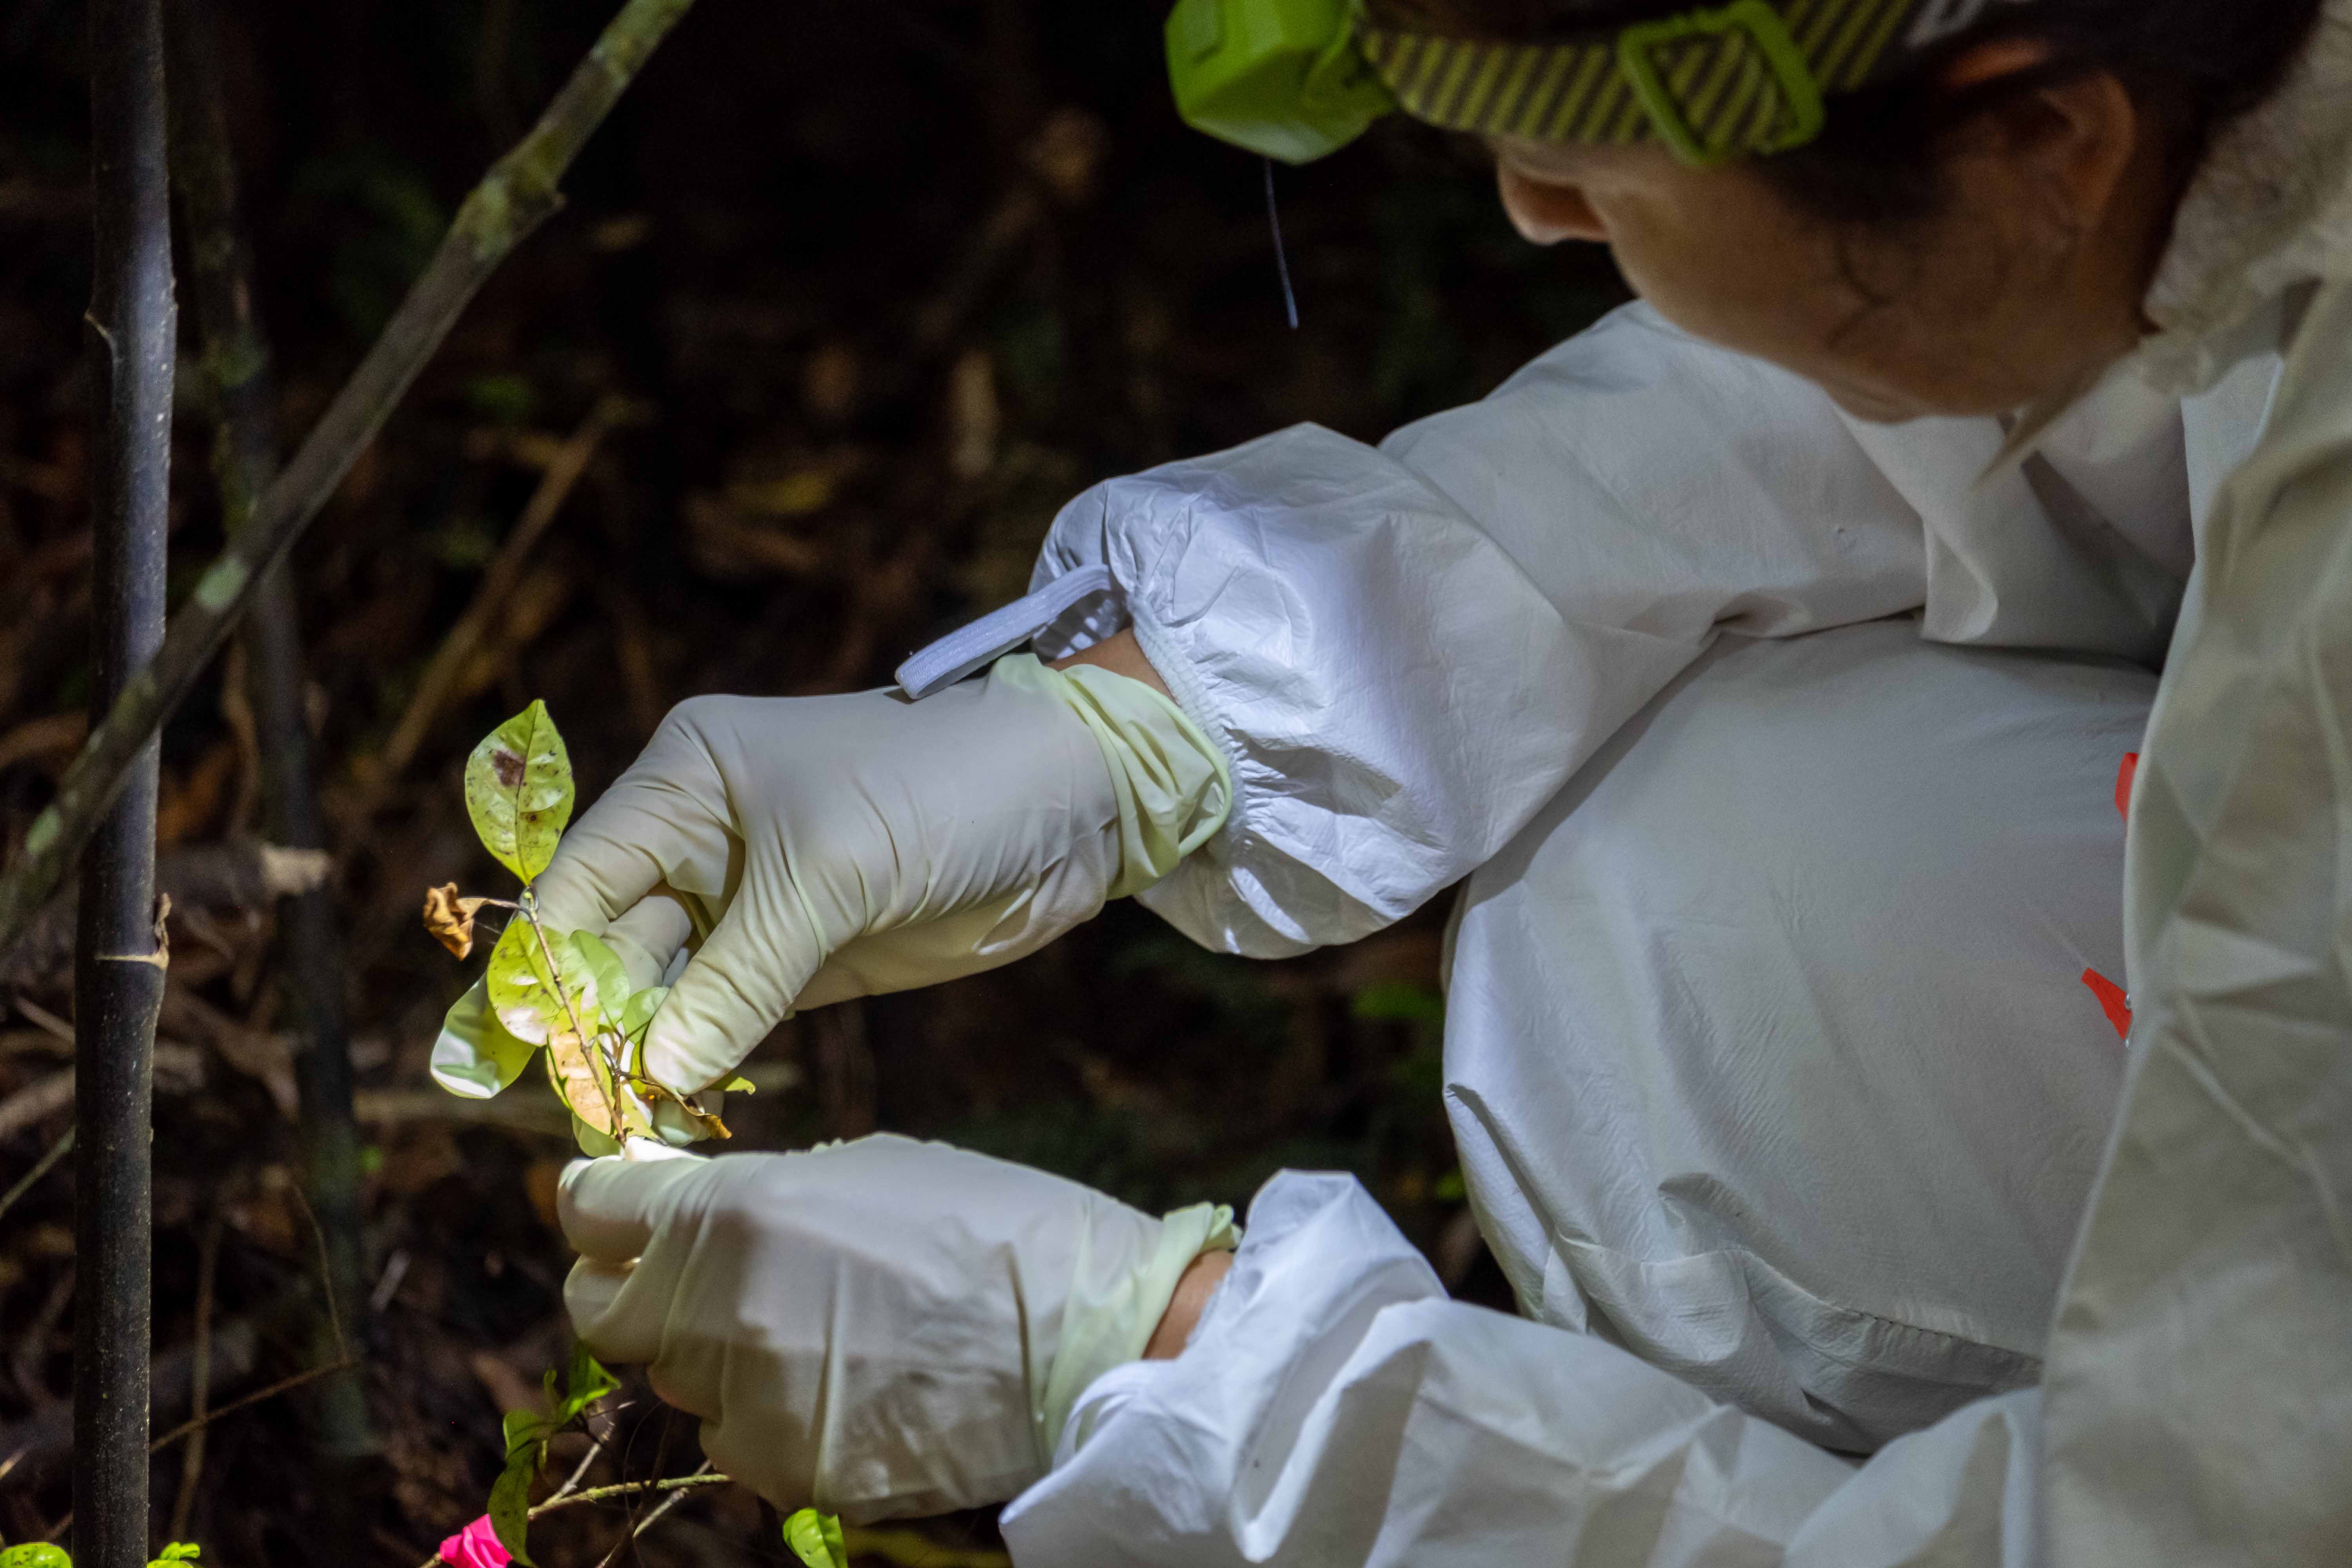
(876, 1329)
(833, 846)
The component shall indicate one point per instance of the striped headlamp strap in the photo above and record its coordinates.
(1711, 84)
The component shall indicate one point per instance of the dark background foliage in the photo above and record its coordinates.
(879, 286)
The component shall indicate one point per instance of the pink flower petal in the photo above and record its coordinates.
(476, 1546)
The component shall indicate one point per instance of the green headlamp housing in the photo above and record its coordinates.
(1283, 78)
(1295, 79)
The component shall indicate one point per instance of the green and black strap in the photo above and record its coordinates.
(1711, 84)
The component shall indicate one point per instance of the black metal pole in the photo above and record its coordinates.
(118, 966)
(236, 365)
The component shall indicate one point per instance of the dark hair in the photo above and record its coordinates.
(2193, 64)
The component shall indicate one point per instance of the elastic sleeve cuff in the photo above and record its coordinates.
(1099, 1332)
(1173, 785)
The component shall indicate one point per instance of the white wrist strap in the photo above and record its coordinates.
(999, 632)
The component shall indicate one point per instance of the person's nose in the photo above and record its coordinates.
(1546, 212)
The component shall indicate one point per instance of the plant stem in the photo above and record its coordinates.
(41, 1167)
(117, 964)
(235, 360)
(200, 1384)
(661, 1507)
(702, 1478)
(292, 1380)
(611, 1128)
(517, 194)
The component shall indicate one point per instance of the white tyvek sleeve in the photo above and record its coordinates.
(1334, 1408)
(1406, 649)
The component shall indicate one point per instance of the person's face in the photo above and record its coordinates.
(2023, 283)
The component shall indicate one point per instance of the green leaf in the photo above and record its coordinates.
(523, 993)
(637, 1016)
(612, 978)
(527, 1435)
(179, 1551)
(518, 791)
(476, 1055)
(815, 1538)
(739, 1085)
(585, 1382)
(510, 1508)
(35, 1554)
(594, 1142)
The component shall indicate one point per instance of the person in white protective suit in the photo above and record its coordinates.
(1767, 659)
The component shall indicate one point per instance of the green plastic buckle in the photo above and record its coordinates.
(1637, 48)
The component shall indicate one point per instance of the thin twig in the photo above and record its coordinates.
(326, 1277)
(702, 1478)
(646, 1523)
(555, 977)
(518, 193)
(200, 1381)
(41, 1167)
(296, 1381)
(572, 1482)
(441, 677)
(40, 1018)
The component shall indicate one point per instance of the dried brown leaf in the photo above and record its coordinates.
(450, 919)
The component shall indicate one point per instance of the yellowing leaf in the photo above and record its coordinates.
(450, 919)
(524, 994)
(518, 791)
(578, 1073)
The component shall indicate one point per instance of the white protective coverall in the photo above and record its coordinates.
(1407, 651)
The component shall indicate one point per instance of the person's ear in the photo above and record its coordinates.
(2065, 147)
(1544, 212)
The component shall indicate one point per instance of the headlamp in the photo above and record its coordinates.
(1295, 79)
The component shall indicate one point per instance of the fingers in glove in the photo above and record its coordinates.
(649, 934)
(739, 986)
(660, 823)
(610, 1208)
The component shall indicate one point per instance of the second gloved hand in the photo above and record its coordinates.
(879, 1329)
(836, 846)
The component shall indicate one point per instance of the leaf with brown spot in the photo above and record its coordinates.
(450, 919)
(518, 791)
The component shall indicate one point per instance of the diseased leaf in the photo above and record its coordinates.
(524, 994)
(35, 1554)
(518, 791)
(450, 919)
(815, 1538)
(578, 1074)
(564, 1018)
